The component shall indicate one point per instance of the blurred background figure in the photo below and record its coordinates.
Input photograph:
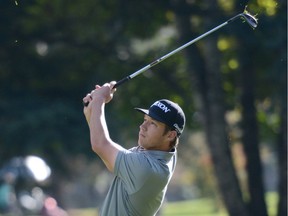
(51, 208)
(8, 202)
(22, 180)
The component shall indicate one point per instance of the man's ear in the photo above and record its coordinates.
(172, 135)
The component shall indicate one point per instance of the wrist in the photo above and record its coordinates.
(98, 101)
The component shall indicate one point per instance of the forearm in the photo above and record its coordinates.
(99, 134)
(101, 143)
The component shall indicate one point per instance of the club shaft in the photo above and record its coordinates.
(157, 61)
(252, 21)
(175, 51)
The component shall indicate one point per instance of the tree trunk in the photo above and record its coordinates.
(257, 205)
(282, 204)
(282, 150)
(282, 153)
(217, 135)
(207, 81)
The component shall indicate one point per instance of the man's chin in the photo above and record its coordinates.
(140, 144)
(140, 141)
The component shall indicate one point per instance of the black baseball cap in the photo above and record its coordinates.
(167, 112)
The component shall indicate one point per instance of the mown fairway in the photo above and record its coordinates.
(198, 207)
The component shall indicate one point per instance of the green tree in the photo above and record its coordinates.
(204, 65)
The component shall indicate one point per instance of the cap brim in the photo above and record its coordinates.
(152, 115)
(145, 111)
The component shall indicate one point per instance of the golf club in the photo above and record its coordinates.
(246, 16)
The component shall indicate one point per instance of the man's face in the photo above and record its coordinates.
(151, 135)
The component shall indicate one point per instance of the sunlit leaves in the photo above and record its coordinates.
(269, 6)
(226, 5)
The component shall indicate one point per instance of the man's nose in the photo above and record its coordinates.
(143, 126)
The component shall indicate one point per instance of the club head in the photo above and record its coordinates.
(251, 20)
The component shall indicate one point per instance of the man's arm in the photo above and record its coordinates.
(101, 142)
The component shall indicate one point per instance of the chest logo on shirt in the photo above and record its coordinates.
(162, 106)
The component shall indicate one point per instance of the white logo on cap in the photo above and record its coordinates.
(161, 106)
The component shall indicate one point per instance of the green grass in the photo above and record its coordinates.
(204, 207)
(197, 207)
(272, 202)
(83, 212)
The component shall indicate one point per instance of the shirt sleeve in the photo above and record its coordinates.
(133, 168)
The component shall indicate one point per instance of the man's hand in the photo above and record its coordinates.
(100, 95)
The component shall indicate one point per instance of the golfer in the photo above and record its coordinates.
(141, 173)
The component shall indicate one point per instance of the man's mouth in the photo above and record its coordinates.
(141, 134)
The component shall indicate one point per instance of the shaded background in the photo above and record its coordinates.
(231, 85)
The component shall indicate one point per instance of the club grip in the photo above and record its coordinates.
(120, 82)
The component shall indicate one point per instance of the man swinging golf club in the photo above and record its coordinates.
(141, 173)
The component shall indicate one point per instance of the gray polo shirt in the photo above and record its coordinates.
(141, 182)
